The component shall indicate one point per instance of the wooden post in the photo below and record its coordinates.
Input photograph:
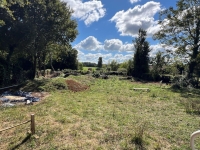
(32, 124)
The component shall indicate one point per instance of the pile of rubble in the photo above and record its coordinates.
(9, 99)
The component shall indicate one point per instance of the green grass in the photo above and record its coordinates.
(109, 115)
(86, 68)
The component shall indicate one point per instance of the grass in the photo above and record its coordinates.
(110, 115)
(86, 68)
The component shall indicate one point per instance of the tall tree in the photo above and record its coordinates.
(180, 28)
(141, 56)
(100, 62)
(34, 26)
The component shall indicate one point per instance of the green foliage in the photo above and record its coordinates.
(89, 64)
(141, 56)
(114, 65)
(124, 70)
(33, 26)
(130, 67)
(182, 32)
(124, 65)
(66, 59)
(157, 66)
(80, 66)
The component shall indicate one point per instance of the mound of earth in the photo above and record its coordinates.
(75, 86)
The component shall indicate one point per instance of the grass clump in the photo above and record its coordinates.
(139, 137)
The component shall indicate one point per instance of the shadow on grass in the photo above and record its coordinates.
(186, 92)
(22, 142)
(139, 143)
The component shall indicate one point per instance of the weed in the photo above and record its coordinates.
(139, 139)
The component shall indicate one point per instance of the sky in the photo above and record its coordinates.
(107, 28)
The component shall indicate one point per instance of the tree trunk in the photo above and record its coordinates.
(34, 67)
(51, 63)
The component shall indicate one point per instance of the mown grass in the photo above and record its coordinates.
(109, 115)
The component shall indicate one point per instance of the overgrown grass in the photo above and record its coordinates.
(110, 115)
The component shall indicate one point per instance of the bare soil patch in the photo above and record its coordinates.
(75, 86)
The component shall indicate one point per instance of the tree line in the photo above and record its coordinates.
(36, 34)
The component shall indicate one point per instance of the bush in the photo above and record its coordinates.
(166, 78)
(180, 82)
(96, 75)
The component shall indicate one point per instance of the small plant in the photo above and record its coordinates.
(138, 138)
(153, 95)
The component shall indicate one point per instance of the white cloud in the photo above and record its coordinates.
(129, 22)
(134, 1)
(120, 51)
(107, 58)
(93, 57)
(90, 43)
(89, 11)
(128, 47)
(116, 44)
(113, 44)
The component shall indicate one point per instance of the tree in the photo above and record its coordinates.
(114, 65)
(130, 67)
(100, 63)
(180, 28)
(141, 56)
(33, 27)
(157, 65)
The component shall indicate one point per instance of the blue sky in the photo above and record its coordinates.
(107, 27)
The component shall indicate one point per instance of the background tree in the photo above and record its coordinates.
(114, 65)
(66, 59)
(100, 62)
(158, 63)
(141, 56)
(180, 28)
(123, 65)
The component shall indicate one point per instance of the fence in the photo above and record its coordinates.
(32, 126)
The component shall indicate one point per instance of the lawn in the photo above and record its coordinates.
(108, 115)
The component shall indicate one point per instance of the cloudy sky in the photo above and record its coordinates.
(107, 27)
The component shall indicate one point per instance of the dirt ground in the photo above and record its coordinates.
(75, 86)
